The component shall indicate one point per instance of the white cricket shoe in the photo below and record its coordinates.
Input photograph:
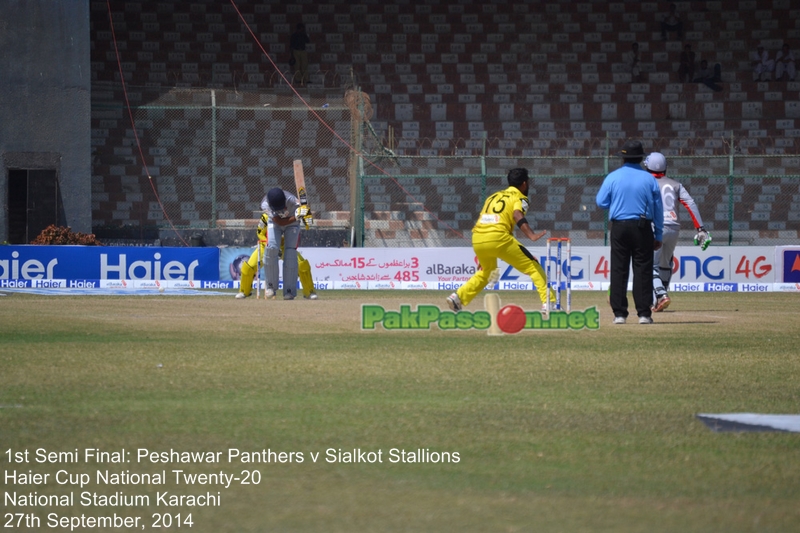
(454, 302)
(240, 295)
(312, 296)
(619, 320)
(269, 293)
(645, 320)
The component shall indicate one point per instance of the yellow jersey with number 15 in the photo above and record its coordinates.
(497, 215)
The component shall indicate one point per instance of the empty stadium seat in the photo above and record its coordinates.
(447, 78)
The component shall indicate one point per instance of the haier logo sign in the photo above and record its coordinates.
(26, 268)
(14, 284)
(108, 262)
(703, 268)
(142, 269)
(721, 287)
(218, 285)
(687, 287)
(516, 286)
(753, 287)
(49, 283)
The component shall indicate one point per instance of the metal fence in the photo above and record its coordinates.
(433, 201)
(209, 156)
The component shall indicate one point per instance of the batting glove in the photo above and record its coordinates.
(494, 277)
(702, 238)
(301, 212)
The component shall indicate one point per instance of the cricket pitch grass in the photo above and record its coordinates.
(554, 430)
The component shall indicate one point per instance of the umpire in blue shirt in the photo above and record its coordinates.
(633, 199)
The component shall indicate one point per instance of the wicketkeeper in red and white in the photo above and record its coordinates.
(672, 193)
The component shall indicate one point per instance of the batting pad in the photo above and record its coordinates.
(304, 271)
(246, 281)
(271, 267)
(290, 271)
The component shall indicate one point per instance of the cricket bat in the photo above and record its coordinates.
(300, 183)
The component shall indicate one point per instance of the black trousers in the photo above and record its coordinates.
(631, 242)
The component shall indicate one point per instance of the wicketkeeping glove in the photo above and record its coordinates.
(702, 238)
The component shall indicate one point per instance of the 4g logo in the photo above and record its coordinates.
(759, 270)
(601, 268)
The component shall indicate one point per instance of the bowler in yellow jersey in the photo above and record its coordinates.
(493, 239)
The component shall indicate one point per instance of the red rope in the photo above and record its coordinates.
(133, 125)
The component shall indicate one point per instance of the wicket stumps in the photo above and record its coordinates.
(554, 282)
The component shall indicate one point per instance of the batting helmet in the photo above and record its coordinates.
(656, 162)
(276, 199)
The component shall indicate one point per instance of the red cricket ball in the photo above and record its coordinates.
(511, 319)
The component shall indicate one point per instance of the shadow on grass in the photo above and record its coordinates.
(683, 322)
(668, 311)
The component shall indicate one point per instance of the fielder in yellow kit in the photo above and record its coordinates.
(493, 239)
(250, 267)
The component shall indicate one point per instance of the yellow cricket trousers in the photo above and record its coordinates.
(488, 249)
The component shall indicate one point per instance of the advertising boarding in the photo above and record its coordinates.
(718, 269)
(32, 266)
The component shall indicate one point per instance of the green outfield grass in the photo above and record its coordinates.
(555, 430)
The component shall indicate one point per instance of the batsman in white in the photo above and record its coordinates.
(284, 213)
(672, 193)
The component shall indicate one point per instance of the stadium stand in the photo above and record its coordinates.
(534, 79)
